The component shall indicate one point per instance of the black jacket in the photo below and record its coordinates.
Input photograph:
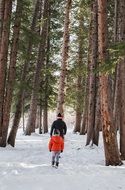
(60, 125)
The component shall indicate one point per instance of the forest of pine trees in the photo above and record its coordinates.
(59, 54)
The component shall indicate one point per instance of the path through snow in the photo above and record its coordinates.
(27, 166)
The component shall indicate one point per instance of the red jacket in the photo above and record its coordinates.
(56, 143)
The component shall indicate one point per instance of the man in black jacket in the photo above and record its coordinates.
(60, 125)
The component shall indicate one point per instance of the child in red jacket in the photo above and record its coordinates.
(56, 145)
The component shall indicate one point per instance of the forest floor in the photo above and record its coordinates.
(28, 166)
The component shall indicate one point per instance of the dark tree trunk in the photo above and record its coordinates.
(98, 125)
(116, 103)
(11, 74)
(36, 83)
(61, 94)
(45, 120)
(40, 121)
(3, 55)
(2, 7)
(92, 76)
(83, 129)
(79, 85)
(112, 156)
(122, 109)
(122, 79)
(17, 116)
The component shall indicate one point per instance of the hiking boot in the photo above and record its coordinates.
(53, 163)
(57, 164)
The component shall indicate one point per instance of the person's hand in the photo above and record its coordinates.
(61, 150)
(50, 150)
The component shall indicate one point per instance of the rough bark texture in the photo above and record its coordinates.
(116, 20)
(92, 76)
(11, 74)
(45, 120)
(122, 109)
(17, 116)
(2, 4)
(3, 54)
(36, 83)
(116, 103)
(84, 118)
(122, 79)
(112, 156)
(98, 125)
(46, 92)
(79, 85)
(61, 93)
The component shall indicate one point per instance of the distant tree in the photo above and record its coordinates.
(92, 65)
(79, 68)
(39, 65)
(61, 94)
(46, 91)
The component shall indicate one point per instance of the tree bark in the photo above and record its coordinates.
(2, 7)
(61, 93)
(79, 85)
(17, 116)
(36, 83)
(122, 79)
(11, 74)
(122, 109)
(92, 76)
(116, 103)
(3, 55)
(112, 156)
(98, 125)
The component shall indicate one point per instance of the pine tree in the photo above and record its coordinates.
(62, 80)
(112, 156)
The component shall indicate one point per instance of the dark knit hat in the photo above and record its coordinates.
(59, 115)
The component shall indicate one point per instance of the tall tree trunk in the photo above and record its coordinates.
(2, 7)
(92, 76)
(84, 125)
(45, 120)
(84, 118)
(61, 93)
(45, 109)
(17, 116)
(98, 125)
(36, 83)
(79, 85)
(122, 79)
(112, 156)
(116, 20)
(3, 55)
(122, 109)
(12, 72)
(40, 121)
(116, 103)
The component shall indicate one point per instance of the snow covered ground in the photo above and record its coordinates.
(27, 166)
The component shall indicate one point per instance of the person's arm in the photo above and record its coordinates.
(50, 145)
(51, 131)
(64, 128)
(62, 145)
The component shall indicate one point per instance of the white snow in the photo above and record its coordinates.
(28, 166)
